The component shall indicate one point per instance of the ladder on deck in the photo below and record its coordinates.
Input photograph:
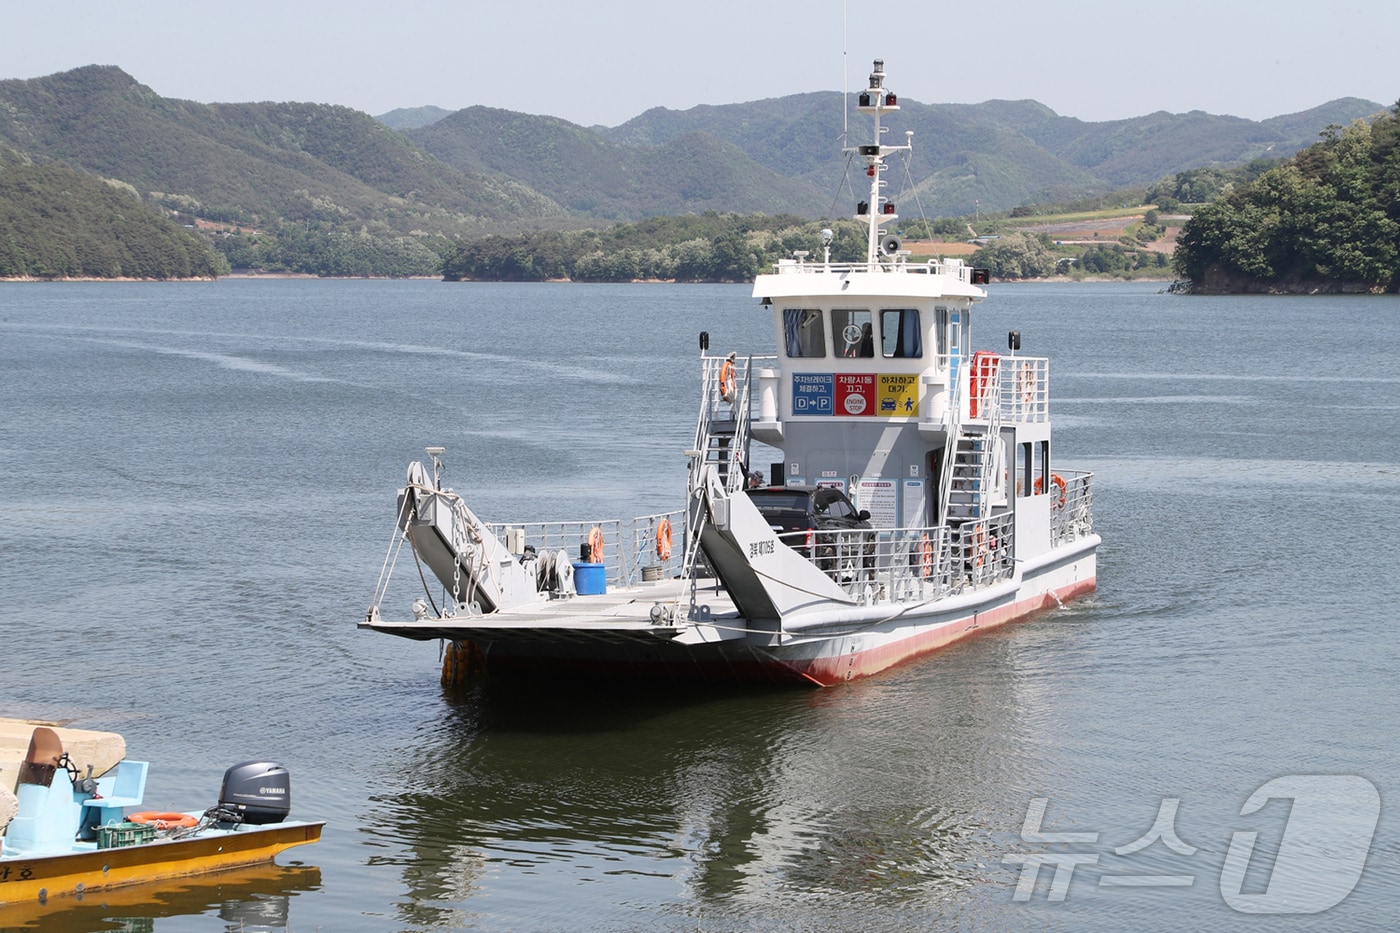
(971, 470)
(722, 432)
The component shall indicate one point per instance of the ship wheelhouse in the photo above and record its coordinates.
(857, 395)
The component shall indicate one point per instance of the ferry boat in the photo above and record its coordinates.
(958, 518)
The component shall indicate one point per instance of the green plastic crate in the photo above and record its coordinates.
(117, 835)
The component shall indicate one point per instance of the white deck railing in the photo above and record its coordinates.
(955, 269)
(630, 552)
(1075, 518)
(911, 564)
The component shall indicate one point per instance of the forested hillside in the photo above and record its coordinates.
(995, 155)
(1326, 220)
(59, 223)
(590, 175)
(327, 190)
(710, 247)
(252, 164)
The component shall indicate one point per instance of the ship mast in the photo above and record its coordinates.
(877, 100)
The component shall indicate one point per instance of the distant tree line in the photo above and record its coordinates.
(1327, 219)
(708, 247)
(1031, 255)
(310, 250)
(1203, 185)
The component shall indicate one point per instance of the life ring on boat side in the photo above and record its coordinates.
(663, 539)
(163, 820)
(1027, 383)
(926, 556)
(1059, 481)
(726, 381)
(595, 545)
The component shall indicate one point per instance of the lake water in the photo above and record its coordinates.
(197, 488)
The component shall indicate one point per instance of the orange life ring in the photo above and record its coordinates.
(663, 539)
(163, 820)
(926, 556)
(1059, 481)
(726, 381)
(595, 545)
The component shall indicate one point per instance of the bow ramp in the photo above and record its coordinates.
(765, 578)
(460, 549)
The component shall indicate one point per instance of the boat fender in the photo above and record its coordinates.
(726, 379)
(163, 820)
(663, 539)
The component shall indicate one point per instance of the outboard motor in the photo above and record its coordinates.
(256, 792)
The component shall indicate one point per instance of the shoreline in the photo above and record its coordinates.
(280, 276)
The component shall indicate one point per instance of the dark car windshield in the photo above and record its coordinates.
(833, 504)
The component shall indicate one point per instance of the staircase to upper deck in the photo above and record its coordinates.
(973, 471)
(723, 430)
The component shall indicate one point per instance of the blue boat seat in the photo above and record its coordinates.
(124, 786)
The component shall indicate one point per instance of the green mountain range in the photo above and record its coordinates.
(329, 171)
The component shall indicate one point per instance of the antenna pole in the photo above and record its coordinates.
(845, 78)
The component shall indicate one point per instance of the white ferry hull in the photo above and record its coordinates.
(521, 648)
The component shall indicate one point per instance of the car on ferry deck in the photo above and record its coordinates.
(810, 518)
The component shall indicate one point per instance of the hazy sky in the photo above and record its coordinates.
(608, 60)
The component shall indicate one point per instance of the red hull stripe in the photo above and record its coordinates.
(762, 668)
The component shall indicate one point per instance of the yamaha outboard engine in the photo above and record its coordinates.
(256, 792)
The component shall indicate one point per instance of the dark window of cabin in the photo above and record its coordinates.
(852, 332)
(802, 332)
(901, 335)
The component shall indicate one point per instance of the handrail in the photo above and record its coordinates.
(628, 546)
(954, 268)
(904, 565)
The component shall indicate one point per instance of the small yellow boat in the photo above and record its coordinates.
(72, 826)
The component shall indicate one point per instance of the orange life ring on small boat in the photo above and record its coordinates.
(595, 545)
(726, 380)
(663, 539)
(926, 556)
(163, 820)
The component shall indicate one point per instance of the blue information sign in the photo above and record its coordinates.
(813, 393)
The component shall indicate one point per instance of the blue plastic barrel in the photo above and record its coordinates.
(590, 579)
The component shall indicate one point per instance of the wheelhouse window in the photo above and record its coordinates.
(852, 332)
(802, 332)
(901, 334)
